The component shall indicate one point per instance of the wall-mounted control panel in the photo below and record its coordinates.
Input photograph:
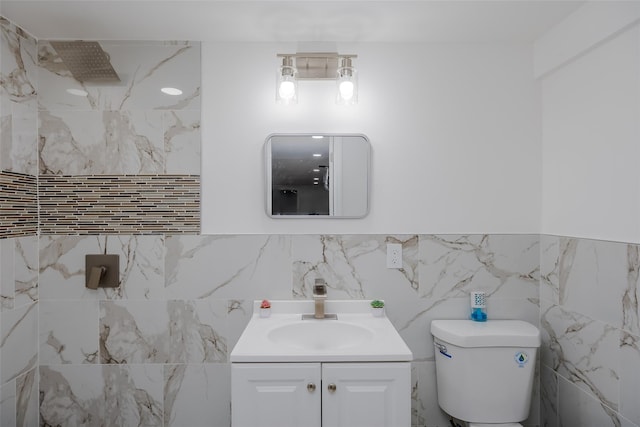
(102, 271)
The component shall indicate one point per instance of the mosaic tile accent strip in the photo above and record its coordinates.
(18, 204)
(119, 204)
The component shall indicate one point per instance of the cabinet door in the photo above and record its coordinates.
(366, 394)
(275, 395)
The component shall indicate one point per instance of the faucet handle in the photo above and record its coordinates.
(320, 287)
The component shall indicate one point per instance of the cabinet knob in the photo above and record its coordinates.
(311, 387)
(332, 388)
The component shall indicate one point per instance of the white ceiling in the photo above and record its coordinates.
(290, 21)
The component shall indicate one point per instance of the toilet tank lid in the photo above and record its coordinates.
(492, 333)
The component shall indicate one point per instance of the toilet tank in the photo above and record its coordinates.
(485, 370)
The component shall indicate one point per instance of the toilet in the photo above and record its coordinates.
(485, 370)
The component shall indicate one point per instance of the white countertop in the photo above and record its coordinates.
(385, 344)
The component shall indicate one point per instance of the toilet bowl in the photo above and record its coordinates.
(485, 370)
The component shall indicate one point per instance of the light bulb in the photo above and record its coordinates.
(287, 89)
(346, 90)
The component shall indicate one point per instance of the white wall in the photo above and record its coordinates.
(454, 130)
(591, 131)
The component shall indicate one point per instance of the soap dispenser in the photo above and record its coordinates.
(478, 306)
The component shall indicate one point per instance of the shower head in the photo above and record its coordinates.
(86, 61)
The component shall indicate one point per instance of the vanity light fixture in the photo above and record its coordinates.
(317, 66)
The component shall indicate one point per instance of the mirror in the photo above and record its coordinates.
(319, 175)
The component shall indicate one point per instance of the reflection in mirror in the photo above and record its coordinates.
(317, 175)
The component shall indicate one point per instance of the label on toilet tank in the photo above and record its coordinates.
(521, 358)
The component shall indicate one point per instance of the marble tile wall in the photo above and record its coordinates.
(18, 228)
(18, 131)
(129, 127)
(18, 100)
(591, 332)
(158, 347)
(125, 130)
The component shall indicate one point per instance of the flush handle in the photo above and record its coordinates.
(311, 387)
(332, 388)
(441, 347)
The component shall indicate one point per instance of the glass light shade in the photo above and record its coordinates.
(287, 85)
(287, 89)
(347, 86)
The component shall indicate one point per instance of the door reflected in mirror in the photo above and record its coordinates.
(319, 175)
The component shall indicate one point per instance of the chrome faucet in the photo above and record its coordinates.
(319, 295)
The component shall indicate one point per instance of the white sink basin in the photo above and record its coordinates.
(357, 336)
(320, 334)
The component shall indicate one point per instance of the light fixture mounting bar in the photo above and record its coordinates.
(316, 65)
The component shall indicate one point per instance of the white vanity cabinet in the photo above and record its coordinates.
(366, 394)
(321, 394)
(275, 395)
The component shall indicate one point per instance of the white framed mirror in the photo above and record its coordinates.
(317, 175)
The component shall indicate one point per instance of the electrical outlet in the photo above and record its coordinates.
(394, 255)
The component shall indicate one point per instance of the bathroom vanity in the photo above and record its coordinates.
(350, 372)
